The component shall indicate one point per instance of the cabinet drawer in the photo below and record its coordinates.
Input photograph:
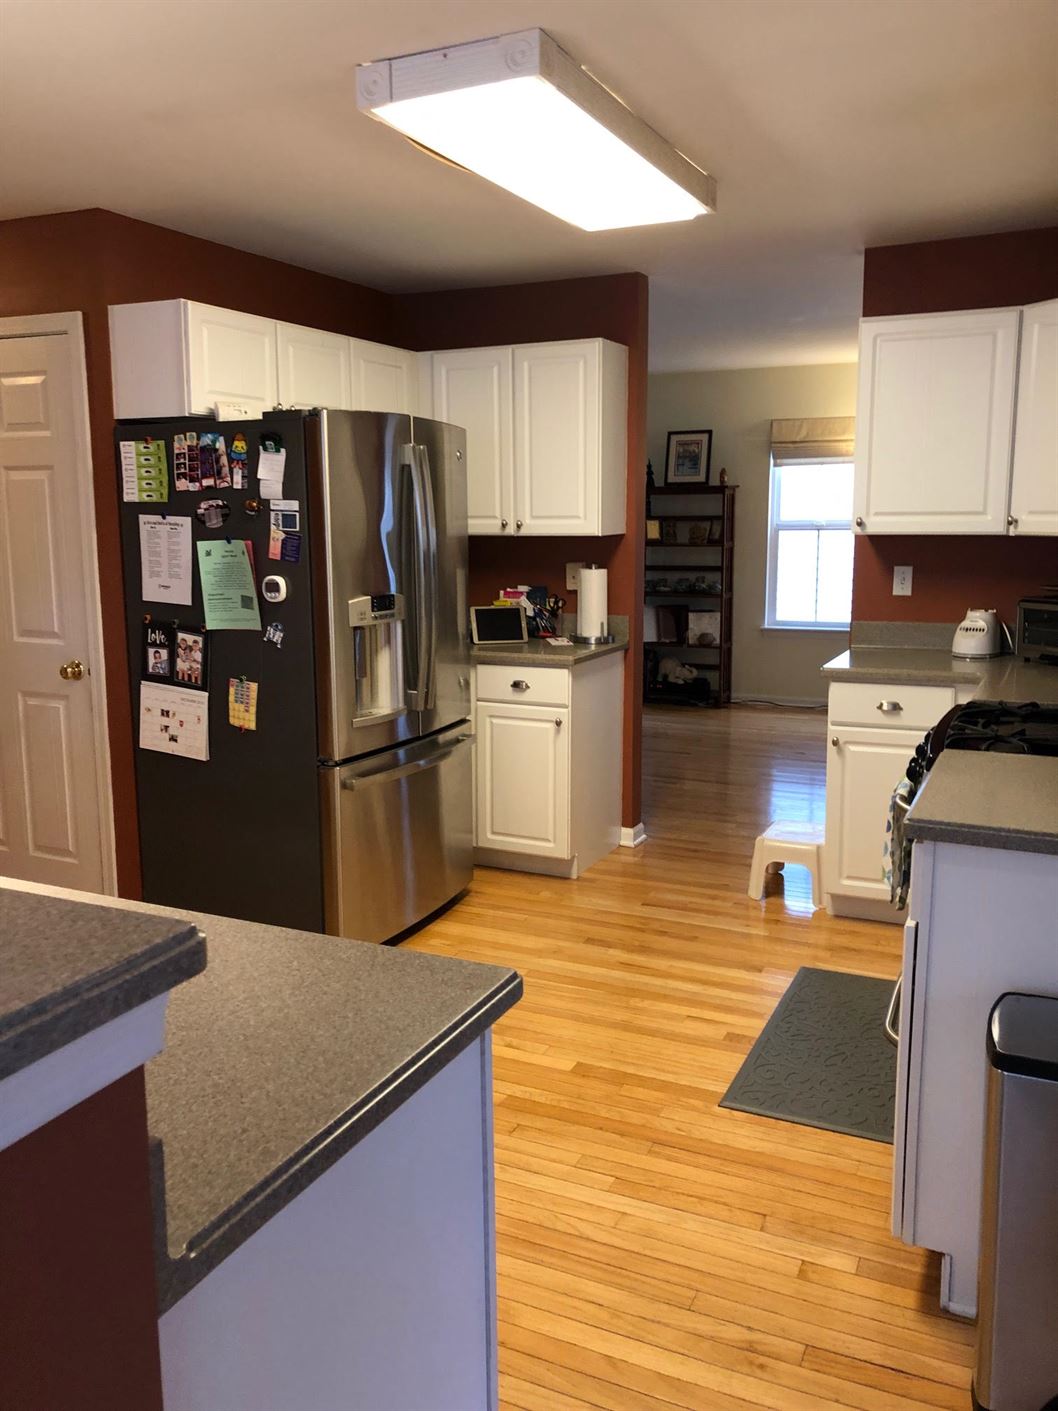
(888, 705)
(532, 685)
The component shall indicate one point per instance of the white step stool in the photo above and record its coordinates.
(800, 843)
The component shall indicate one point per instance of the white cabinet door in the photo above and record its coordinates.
(1034, 486)
(313, 368)
(384, 379)
(523, 779)
(934, 422)
(556, 438)
(472, 388)
(863, 768)
(231, 358)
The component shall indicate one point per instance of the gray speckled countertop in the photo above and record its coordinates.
(66, 969)
(1005, 678)
(989, 800)
(539, 652)
(284, 1054)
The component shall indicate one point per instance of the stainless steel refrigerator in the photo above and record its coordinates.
(349, 808)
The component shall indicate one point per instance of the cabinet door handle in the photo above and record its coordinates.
(517, 524)
(835, 741)
(1012, 522)
(519, 685)
(889, 707)
(558, 722)
(504, 523)
(860, 522)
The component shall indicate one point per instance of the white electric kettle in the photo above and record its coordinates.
(977, 635)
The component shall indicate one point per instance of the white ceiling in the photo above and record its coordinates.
(830, 125)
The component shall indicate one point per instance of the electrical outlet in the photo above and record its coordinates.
(902, 581)
(573, 576)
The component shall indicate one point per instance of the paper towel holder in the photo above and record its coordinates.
(603, 640)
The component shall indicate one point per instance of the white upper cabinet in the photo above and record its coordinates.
(547, 429)
(935, 421)
(231, 359)
(313, 368)
(473, 388)
(172, 357)
(1034, 484)
(570, 437)
(385, 379)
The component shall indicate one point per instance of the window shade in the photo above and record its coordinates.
(813, 438)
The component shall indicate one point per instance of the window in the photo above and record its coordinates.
(810, 544)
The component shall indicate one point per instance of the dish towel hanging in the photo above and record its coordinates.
(897, 857)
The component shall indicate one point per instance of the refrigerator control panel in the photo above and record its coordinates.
(376, 607)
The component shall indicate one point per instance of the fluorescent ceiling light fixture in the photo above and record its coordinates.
(521, 113)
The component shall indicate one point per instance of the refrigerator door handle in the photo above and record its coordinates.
(424, 559)
(401, 771)
(414, 561)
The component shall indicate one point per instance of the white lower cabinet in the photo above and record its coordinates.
(982, 923)
(523, 778)
(548, 764)
(863, 769)
(872, 732)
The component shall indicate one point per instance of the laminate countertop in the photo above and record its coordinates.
(1005, 678)
(66, 969)
(538, 651)
(283, 1054)
(989, 800)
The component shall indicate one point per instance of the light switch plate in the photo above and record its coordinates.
(573, 576)
(902, 581)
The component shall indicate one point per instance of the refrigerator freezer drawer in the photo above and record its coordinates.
(398, 835)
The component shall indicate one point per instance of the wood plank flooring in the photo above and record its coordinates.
(656, 1252)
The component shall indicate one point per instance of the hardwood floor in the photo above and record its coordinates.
(656, 1252)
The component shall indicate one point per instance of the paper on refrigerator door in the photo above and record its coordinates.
(174, 721)
(165, 558)
(271, 467)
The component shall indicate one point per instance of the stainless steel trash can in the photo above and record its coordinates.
(1017, 1306)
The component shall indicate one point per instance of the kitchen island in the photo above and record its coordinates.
(320, 1124)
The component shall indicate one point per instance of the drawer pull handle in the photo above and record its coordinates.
(519, 685)
(889, 707)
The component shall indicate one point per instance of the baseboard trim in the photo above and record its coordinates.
(779, 700)
(633, 837)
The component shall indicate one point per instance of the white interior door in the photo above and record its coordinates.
(51, 813)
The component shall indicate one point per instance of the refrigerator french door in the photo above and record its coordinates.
(348, 807)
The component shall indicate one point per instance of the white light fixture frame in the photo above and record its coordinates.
(530, 53)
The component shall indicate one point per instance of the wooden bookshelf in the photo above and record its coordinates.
(675, 558)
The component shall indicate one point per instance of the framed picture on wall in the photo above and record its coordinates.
(687, 457)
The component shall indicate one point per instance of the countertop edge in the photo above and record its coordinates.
(179, 1274)
(560, 657)
(55, 1021)
(936, 830)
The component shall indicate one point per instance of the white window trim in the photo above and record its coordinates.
(770, 624)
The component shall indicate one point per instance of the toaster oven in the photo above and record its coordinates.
(1037, 638)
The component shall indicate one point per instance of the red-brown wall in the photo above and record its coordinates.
(953, 573)
(609, 306)
(86, 260)
(78, 1302)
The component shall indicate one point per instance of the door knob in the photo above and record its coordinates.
(558, 722)
(71, 670)
(517, 524)
(504, 523)
(835, 741)
(1012, 521)
(859, 522)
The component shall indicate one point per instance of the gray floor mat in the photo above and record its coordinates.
(823, 1059)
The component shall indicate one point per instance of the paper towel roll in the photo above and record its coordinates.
(592, 617)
